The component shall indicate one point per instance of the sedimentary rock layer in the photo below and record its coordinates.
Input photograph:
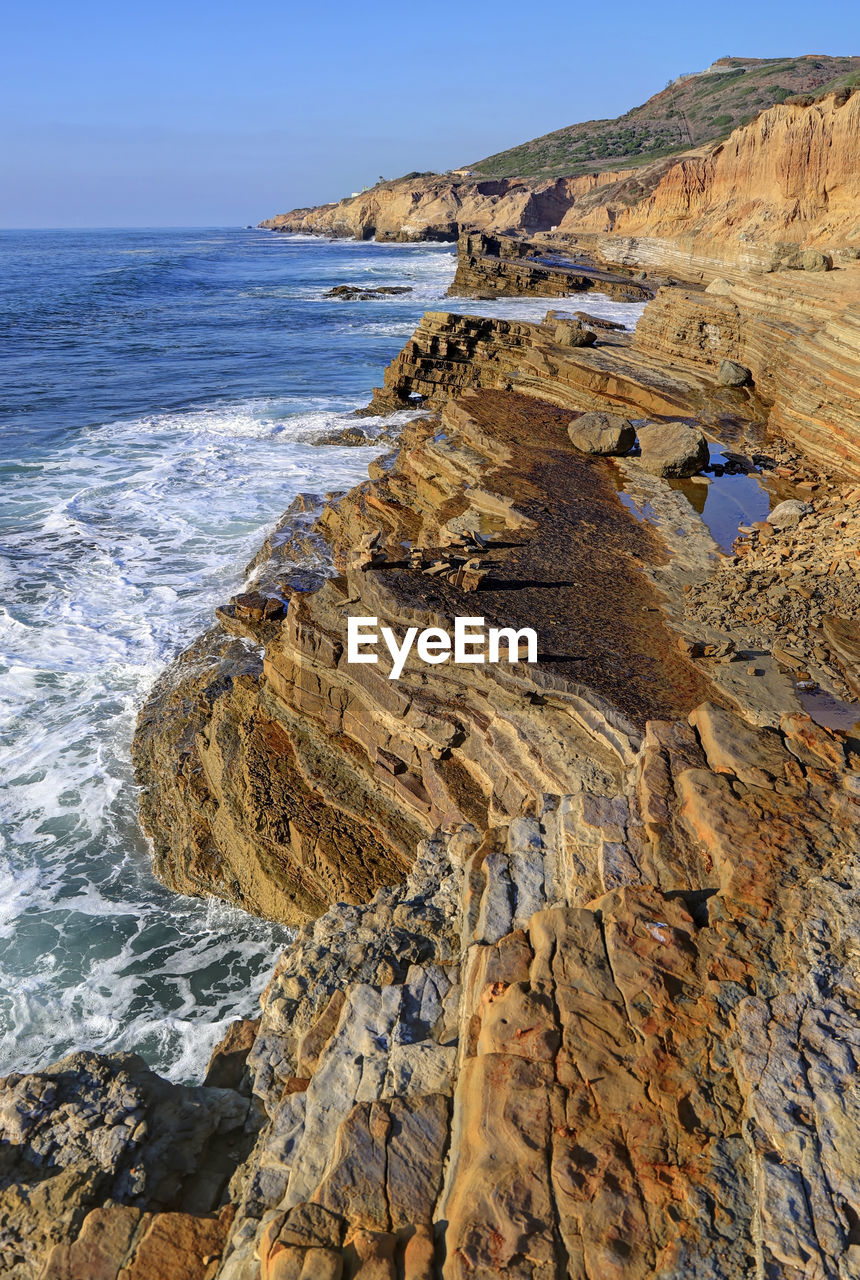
(290, 779)
(616, 1037)
(575, 987)
(507, 266)
(799, 334)
(438, 208)
(786, 179)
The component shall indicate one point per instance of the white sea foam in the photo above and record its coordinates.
(137, 531)
(117, 545)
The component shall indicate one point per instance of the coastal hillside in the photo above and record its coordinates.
(789, 177)
(691, 111)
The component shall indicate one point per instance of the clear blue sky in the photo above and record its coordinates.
(222, 113)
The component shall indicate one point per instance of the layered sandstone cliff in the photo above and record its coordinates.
(788, 178)
(437, 207)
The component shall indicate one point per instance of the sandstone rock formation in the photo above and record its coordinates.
(106, 1168)
(605, 433)
(799, 335)
(439, 208)
(574, 991)
(672, 449)
(496, 266)
(789, 177)
(613, 1037)
(781, 185)
(603, 1025)
(292, 781)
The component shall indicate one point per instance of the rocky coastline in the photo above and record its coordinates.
(575, 989)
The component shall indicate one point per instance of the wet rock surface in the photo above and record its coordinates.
(507, 266)
(364, 293)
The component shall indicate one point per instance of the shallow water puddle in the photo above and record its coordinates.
(727, 496)
(830, 712)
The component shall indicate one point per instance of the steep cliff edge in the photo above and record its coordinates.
(791, 176)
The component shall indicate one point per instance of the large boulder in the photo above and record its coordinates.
(604, 433)
(673, 449)
(568, 334)
(732, 374)
(806, 260)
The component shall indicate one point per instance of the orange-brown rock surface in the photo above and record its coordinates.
(799, 334)
(606, 1024)
(790, 176)
(628, 1047)
(438, 208)
(785, 181)
(575, 987)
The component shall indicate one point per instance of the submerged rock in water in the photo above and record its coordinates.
(364, 293)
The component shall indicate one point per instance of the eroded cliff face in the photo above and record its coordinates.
(439, 208)
(787, 179)
(789, 176)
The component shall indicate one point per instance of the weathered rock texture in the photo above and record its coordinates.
(614, 1037)
(787, 180)
(438, 208)
(798, 334)
(290, 780)
(107, 1169)
(789, 177)
(506, 266)
(604, 1022)
(449, 354)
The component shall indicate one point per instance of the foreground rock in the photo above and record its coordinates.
(104, 1167)
(562, 1042)
(672, 449)
(604, 433)
(603, 1023)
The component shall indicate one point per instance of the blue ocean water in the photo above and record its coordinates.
(159, 395)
